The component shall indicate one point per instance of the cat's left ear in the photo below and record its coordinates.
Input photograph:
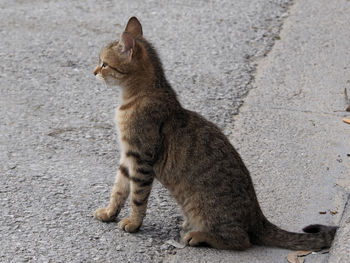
(134, 27)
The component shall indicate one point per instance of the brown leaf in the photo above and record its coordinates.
(326, 251)
(347, 100)
(297, 256)
(293, 258)
(174, 243)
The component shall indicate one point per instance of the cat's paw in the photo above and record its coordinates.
(104, 214)
(129, 225)
(186, 226)
(194, 238)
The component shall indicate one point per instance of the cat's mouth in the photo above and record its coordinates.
(99, 77)
(109, 81)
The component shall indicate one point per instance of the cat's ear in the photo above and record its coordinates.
(127, 40)
(128, 44)
(134, 27)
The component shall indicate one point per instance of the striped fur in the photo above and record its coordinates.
(189, 155)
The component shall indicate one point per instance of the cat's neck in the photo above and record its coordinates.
(136, 86)
(144, 83)
(148, 78)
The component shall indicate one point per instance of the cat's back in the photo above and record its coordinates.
(198, 151)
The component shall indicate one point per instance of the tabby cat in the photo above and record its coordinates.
(189, 155)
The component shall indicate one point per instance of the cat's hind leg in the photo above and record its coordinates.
(186, 227)
(234, 239)
(120, 193)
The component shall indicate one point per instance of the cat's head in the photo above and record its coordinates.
(122, 58)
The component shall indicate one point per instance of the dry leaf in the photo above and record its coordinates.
(293, 258)
(346, 121)
(326, 251)
(347, 99)
(297, 256)
(174, 243)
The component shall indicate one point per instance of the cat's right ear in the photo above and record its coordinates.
(128, 44)
(127, 40)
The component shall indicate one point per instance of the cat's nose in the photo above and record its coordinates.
(96, 71)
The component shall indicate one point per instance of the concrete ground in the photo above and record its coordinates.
(290, 129)
(291, 134)
(58, 150)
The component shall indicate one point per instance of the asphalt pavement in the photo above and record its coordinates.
(58, 146)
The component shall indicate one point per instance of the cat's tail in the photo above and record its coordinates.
(315, 237)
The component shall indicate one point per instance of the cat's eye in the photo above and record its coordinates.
(104, 64)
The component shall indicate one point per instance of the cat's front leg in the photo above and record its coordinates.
(141, 179)
(120, 193)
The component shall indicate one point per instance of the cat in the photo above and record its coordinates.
(188, 154)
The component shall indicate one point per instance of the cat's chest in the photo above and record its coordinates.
(124, 119)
